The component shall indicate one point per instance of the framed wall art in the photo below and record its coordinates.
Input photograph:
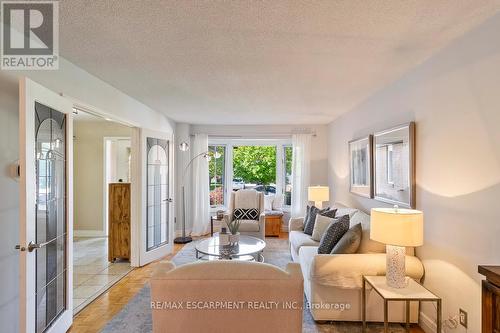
(394, 165)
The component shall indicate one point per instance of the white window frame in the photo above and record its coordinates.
(223, 206)
(283, 172)
(230, 143)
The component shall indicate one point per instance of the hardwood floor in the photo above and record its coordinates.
(96, 315)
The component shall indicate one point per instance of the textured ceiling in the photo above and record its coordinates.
(258, 62)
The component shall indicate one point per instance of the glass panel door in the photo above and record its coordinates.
(50, 218)
(157, 192)
(156, 227)
(45, 210)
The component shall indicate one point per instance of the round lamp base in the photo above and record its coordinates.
(395, 273)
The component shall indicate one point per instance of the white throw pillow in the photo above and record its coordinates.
(320, 226)
(278, 202)
(268, 202)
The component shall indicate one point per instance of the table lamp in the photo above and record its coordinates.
(397, 228)
(318, 194)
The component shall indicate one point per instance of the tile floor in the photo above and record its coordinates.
(92, 273)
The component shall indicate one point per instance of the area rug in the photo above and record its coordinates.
(135, 317)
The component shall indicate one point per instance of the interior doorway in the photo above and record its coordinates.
(102, 156)
(117, 161)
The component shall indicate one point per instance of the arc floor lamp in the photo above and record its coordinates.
(184, 146)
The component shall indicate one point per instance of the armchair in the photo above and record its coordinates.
(248, 199)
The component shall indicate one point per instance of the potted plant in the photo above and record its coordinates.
(234, 235)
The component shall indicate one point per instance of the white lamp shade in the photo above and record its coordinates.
(184, 146)
(396, 226)
(318, 193)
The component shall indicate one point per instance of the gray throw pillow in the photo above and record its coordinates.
(306, 218)
(308, 223)
(349, 243)
(321, 224)
(333, 234)
(314, 211)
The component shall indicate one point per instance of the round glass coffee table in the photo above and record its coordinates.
(248, 249)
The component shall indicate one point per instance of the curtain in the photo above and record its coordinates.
(301, 162)
(200, 204)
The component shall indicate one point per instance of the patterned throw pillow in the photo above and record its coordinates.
(246, 214)
(333, 234)
(309, 224)
(349, 243)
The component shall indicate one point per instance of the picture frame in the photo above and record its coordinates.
(361, 166)
(394, 165)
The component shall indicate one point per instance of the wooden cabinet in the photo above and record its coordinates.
(490, 311)
(119, 221)
(273, 225)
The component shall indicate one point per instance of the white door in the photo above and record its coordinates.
(46, 211)
(157, 191)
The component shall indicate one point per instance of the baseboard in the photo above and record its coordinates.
(178, 233)
(426, 323)
(88, 233)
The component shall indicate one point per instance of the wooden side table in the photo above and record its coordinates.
(273, 225)
(413, 292)
(490, 299)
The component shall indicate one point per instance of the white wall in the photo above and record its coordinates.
(9, 207)
(88, 197)
(454, 98)
(71, 81)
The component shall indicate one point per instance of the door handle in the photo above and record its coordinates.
(168, 200)
(33, 246)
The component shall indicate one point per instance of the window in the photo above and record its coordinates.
(261, 164)
(254, 167)
(287, 180)
(217, 175)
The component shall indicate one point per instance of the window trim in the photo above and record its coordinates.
(225, 196)
(283, 147)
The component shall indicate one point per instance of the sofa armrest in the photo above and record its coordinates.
(262, 221)
(347, 270)
(296, 224)
(294, 270)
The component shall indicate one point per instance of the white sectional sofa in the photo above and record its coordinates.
(332, 282)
